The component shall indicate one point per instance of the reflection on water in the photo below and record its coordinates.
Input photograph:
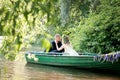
(19, 70)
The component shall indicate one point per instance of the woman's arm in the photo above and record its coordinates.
(62, 47)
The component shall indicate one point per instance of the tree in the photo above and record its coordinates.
(96, 22)
(99, 32)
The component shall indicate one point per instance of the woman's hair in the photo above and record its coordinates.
(65, 39)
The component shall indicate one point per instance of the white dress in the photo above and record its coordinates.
(69, 51)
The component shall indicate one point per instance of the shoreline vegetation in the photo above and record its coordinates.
(92, 25)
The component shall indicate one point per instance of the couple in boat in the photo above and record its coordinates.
(64, 46)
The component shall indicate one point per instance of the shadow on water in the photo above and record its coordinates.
(75, 72)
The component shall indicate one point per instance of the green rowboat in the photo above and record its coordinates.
(89, 60)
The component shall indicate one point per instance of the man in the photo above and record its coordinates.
(53, 44)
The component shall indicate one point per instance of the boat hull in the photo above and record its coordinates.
(82, 61)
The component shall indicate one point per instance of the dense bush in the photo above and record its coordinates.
(100, 32)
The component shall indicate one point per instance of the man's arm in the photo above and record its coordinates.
(59, 48)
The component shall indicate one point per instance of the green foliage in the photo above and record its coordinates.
(100, 32)
(46, 44)
(21, 19)
(93, 25)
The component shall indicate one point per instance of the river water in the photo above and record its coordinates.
(20, 70)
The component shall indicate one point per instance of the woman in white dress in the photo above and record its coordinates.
(67, 47)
